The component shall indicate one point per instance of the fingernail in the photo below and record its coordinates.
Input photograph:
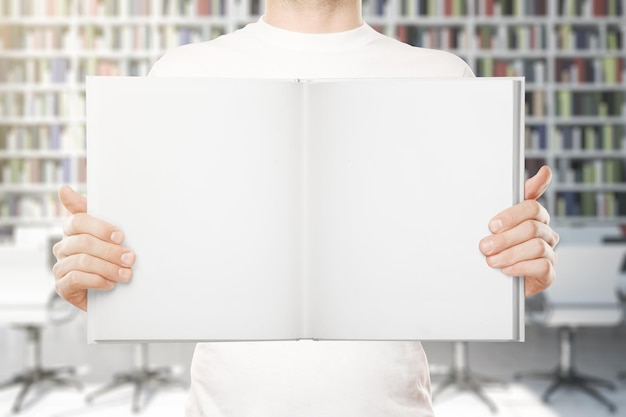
(128, 258)
(494, 261)
(486, 246)
(117, 237)
(495, 225)
(125, 274)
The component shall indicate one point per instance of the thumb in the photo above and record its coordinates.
(538, 184)
(73, 202)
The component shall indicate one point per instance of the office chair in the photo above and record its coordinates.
(28, 302)
(141, 378)
(583, 295)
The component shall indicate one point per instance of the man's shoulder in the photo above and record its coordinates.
(197, 59)
(420, 61)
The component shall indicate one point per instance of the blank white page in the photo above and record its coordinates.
(404, 178)
(199, 173)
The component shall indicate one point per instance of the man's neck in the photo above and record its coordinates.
(314, 16)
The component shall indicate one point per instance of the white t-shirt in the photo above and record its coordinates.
(308, 378)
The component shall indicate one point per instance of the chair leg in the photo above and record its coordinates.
(140, 379)
(38, 374)
(566, 376)
(461, 377)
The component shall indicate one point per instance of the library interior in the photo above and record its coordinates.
(572, 55)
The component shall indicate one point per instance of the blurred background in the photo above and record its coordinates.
(572, 54)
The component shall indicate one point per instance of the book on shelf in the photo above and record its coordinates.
(590, 8)
(288, 209)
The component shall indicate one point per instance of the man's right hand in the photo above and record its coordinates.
(90, 255)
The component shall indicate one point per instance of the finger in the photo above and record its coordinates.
(76, 281)
(528, 250)
(519, 213)
(538, 184)
(538, 274)
(73, 202)
(73, 286)
(92, 265)
(530, 229)
(81, 223)
(83, 243)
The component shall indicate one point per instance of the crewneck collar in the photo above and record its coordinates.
(312, 41)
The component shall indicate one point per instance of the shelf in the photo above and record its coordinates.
(590, 87)
(599, 188)
(41, 154)
(41, 88)
(513, 54)
(586, 53)
(588, 120)
(85, 54)
(39, 121)
(24, 189)
(591, 154)
(31, 221)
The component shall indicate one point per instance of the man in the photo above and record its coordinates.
(307, 39)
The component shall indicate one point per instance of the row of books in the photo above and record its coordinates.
(535, 103)
(601, 137)
(18, 171)
(519, 38)
(534, 69)
(48, 104)
(590, 8)
(18, 8)
(59, 71)
(66, 8)
(171, 36)
(194, 7)
(182, 8)
(449, 38)
(585, 37)
(577, 104)
(608, 70)
(585, 8)
(124, 38)
(584, 171)
(107, 38)
(477, 7)
(511, 7)
(433, 8)
(601, 103)
(21, 37)
(141, 37)
(519, 8)
(55, 70)
(590, 204)
(52, 137)
(45, 206)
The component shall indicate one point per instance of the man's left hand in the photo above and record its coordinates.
(522, 243)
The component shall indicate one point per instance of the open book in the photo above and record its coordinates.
(289, 209)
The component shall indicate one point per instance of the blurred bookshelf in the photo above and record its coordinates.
(572, 53)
